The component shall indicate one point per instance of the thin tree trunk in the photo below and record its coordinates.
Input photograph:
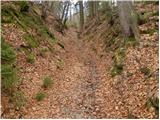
(81, 16)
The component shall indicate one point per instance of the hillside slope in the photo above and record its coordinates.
(62, 76)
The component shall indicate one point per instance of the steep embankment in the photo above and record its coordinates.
(129, 85)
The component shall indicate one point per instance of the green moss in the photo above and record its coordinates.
(32, 42)
(116, 70)
(18, 98)
(47, 82)
(31, 58)
(145, 70)
(40, 96)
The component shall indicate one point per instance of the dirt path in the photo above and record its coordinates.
(83, 76)
(73, 92)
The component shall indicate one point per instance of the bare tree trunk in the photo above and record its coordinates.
(66, 15)
(63, 13)
(91, 9)
(128, 24)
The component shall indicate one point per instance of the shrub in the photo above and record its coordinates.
(18, 99)
(40, 96)
(47, 82)
(31, 58)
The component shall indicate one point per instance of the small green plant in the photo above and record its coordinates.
(145, 70)
(43, 52)
(116, 70)
(18, 98)
(31, 58)
(31, 41)
(47, 82)
(40, 96)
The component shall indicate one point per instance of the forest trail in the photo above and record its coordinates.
(73, 94)
(95, 76)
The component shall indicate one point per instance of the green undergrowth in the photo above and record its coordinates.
(22, 14)
(8, 71)
(9, 78)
